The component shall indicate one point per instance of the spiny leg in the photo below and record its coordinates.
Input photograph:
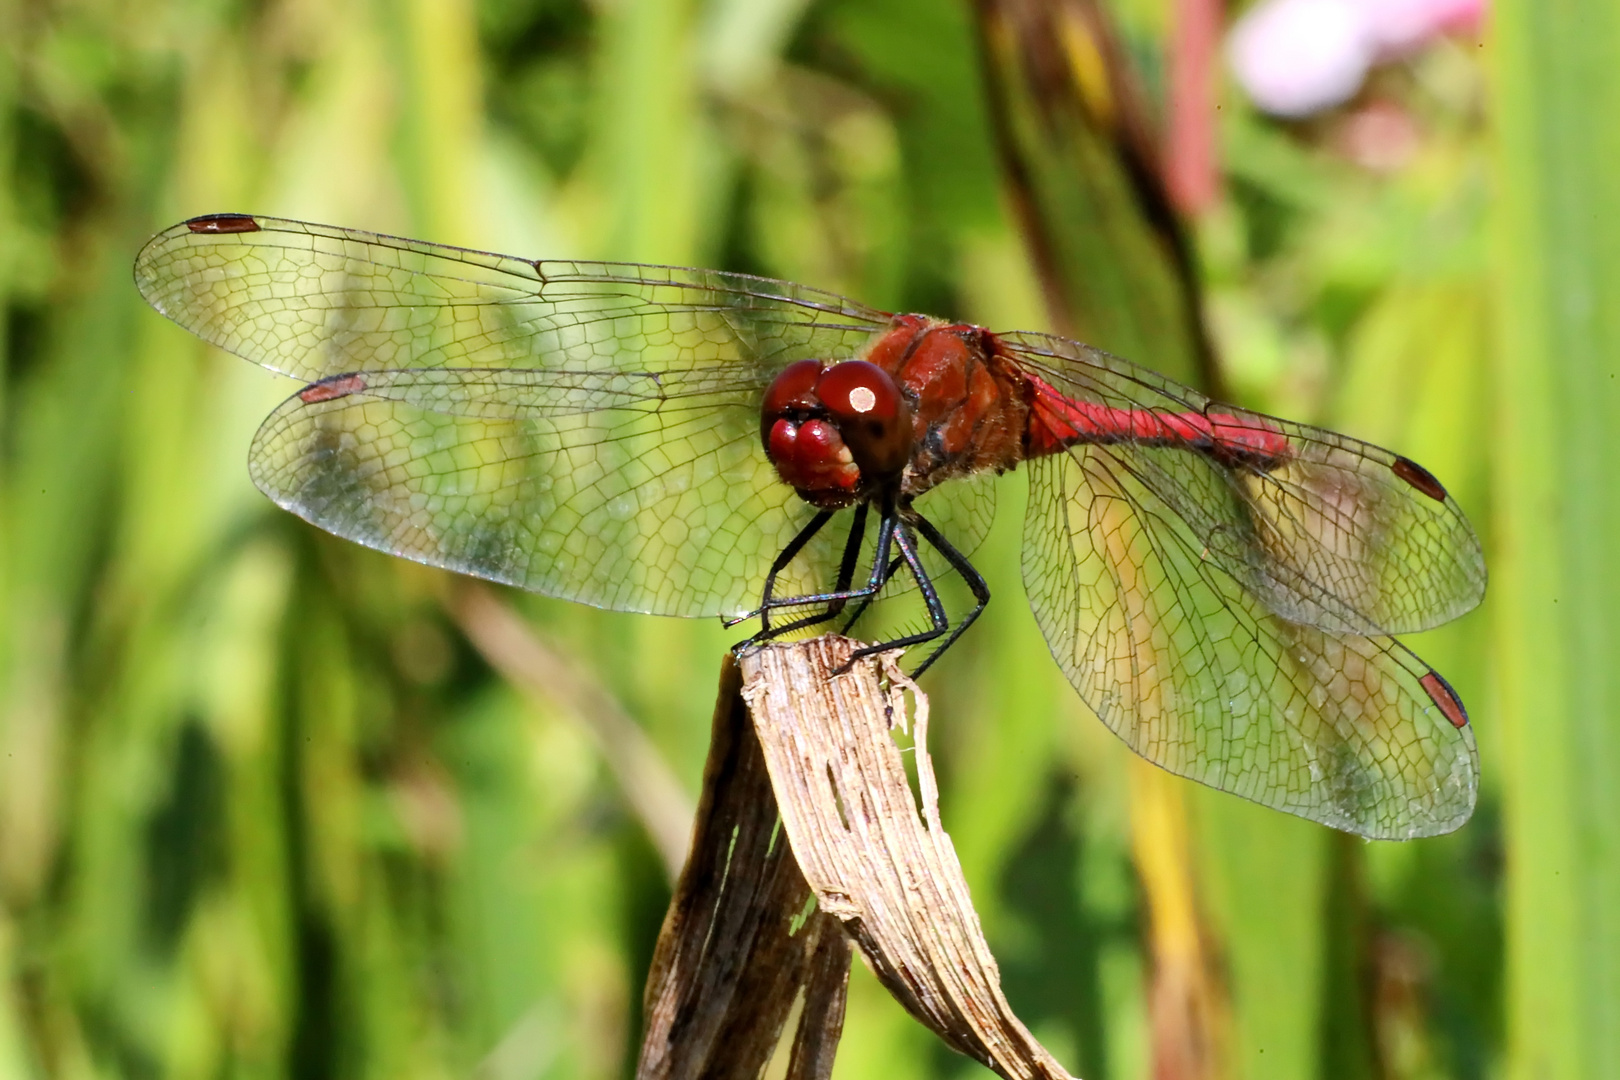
(846, 574)
(836, 599)
(785, 556)
(975, 582)
(860, 609)
(925, 584)
(891, 530)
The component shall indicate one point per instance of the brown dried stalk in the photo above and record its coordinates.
(726, 970)
(888, 873)
(740, 941)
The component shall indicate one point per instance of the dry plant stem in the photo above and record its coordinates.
(821, 1024)
(511, 646)
(1079, 152)
(740, 941)
(889, 875)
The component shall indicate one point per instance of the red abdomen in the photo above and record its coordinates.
(1057, 420)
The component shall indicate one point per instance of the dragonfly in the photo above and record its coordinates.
(1221, 587)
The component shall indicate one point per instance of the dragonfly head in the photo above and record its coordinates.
(836, 431)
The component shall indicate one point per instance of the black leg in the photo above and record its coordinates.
(846, 574)
(796, 545)
(860, 609)
(936, 610)
(975, 582)
(809, 599)
(836, 599)
(892, 532)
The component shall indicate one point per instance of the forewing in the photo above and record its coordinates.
(587, 430)
(1196, 674)
(618, 490)
(1343, 535)
(313, 301)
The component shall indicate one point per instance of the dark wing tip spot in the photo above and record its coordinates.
(1444, 697)
(1419, 477)
(223, 223)
(330, 389)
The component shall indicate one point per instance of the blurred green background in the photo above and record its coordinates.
(266, 811)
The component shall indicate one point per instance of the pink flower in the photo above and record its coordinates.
(1404, 26)
(1297, 57)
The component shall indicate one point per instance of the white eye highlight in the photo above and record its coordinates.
(861, 399)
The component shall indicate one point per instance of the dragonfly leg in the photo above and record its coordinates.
(892, 531)
(838, 597)
(975, 582)
(860, 609)
(835, 600)
(794, 546)
(939, 621)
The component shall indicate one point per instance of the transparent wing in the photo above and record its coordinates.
(313, 301)
(1343, 536)
(1191, 667)
(623, 490)
(588, 430)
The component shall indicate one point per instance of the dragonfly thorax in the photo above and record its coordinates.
(969, 403)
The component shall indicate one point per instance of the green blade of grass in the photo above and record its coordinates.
(1557, 510)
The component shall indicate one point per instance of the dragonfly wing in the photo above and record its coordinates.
(583, 429)
(1342, 535)
(313, 301)
(620, 490)
(1193, 670)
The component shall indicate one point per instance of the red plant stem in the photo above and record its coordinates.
(1191, 172)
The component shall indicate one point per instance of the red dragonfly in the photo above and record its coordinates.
(1221, 587)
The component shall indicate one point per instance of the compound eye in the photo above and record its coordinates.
(857, 390)
(793, 388)
(872, 416)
